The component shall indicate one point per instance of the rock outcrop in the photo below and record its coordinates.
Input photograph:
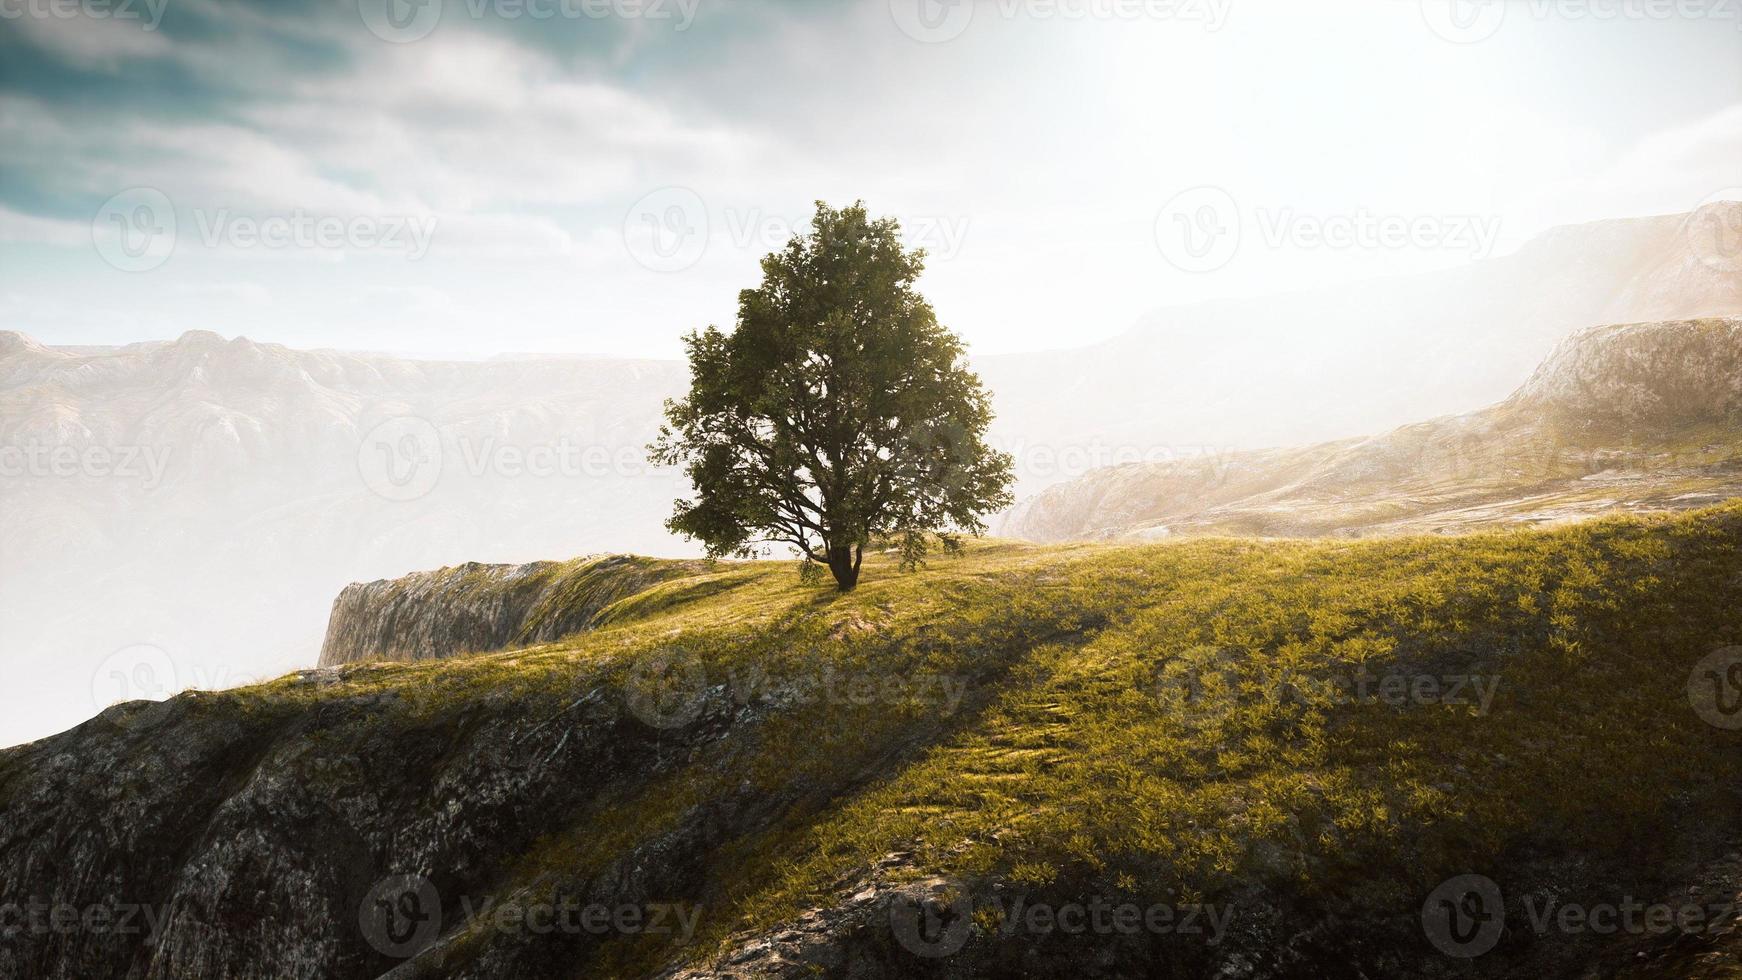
(476, 608)
(1650, 378)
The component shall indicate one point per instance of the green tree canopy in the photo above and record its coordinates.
(836, 413)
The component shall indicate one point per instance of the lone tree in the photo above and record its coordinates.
(838, 412)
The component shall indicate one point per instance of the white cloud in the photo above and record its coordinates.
(105, 43)
(25, 228)
(1050, 146)
(501, 236)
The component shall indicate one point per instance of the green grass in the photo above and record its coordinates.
(1159, 720)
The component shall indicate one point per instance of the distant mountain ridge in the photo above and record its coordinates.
(228, 557)
(268, 490)
(1330, 363)
(1644, 416)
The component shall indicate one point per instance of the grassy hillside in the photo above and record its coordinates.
(1307, 738)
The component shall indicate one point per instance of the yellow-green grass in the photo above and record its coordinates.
(1161, 719)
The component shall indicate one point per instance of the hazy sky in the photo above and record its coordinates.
(472, 176)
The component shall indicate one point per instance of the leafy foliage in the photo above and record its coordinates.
(837, 412)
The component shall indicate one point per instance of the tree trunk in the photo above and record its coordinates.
(844, 564)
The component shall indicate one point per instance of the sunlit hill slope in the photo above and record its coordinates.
(1180, 725)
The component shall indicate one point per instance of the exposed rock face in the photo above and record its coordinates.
(1644, 416)
(244, 842)
(1659, 376)
(474, 608)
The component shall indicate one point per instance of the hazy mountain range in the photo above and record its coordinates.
(208, 498)
(1295, 368)
(1626, 417)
